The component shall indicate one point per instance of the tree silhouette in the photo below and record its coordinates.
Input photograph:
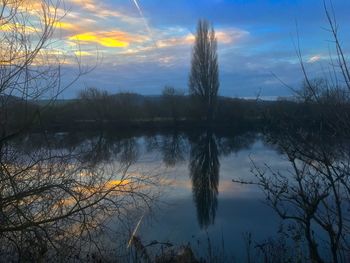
(204, 77)
(52, 200)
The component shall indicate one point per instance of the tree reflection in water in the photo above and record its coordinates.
(204, 172)
(56, 197)
(204, 151)
(173, 149)
(67, 188)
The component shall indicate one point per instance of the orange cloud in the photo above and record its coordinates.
(96, 8)
(66, 26)
(106, 39)
(37, 8)
(9, 27)
(230, 36)
(186, 40)
(115, 183)
(30, 5)
(83, 53)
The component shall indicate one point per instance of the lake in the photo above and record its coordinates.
(187, 192)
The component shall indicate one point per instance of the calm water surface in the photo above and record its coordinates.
(198, 199)
(188, 181)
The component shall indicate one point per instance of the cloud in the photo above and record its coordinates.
(80, 53)
(176, 41)
(104, 39)
(231, 35)
(29, 6)
(224, 36)
(314, 59)
(66, 26)
(113, 39)
(96, 9)
(250, 44)
(10, 27)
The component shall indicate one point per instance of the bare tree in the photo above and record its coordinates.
(52, 202)
(313, 193)
(30, 66)
(204, 76)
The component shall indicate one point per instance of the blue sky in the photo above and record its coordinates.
(142, 52)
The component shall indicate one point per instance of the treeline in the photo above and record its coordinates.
(171, 107)
(94, 109)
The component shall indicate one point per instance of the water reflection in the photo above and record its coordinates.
(128, 151)
(204, 172)
(173, 149)
(200, 160)
(203, 150)
(58, 190)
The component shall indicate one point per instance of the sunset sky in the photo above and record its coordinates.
(141, 50)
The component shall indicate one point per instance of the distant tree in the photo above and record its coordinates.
(171, 91)
(96, 103)
(204, 76)
(172, 99)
